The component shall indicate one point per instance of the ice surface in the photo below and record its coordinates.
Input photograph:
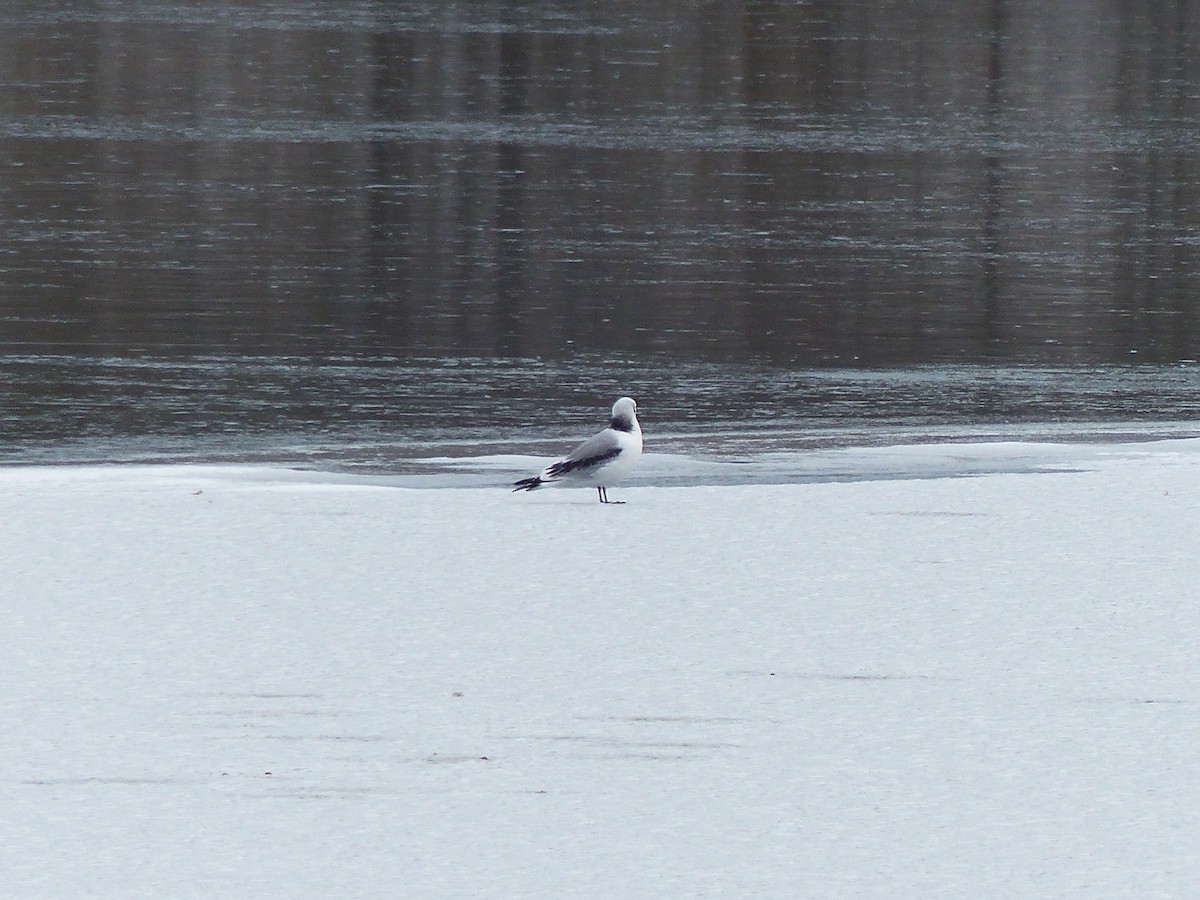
(874, 681)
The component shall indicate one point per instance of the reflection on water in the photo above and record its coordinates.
(196, 198)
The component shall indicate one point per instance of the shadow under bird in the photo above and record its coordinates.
(603, 459)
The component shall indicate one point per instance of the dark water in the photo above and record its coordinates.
(319, 231)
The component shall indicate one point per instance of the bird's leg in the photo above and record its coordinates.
(602, 494)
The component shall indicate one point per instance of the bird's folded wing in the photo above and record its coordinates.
(598, 449)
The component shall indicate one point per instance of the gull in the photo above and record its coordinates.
(602, 459)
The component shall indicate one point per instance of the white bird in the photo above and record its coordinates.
(602, 459)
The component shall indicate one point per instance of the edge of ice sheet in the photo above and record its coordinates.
(947, 460)
(900, 462)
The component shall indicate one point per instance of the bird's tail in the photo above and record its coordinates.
(527, 484)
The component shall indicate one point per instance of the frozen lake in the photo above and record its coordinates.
(247, 681)
(902, 598)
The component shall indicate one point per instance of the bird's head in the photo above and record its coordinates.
(624, 414)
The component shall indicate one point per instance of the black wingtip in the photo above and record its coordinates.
(527, 484)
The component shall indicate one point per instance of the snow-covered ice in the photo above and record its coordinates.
(880, 681)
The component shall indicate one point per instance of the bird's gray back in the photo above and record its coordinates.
(603, 444)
